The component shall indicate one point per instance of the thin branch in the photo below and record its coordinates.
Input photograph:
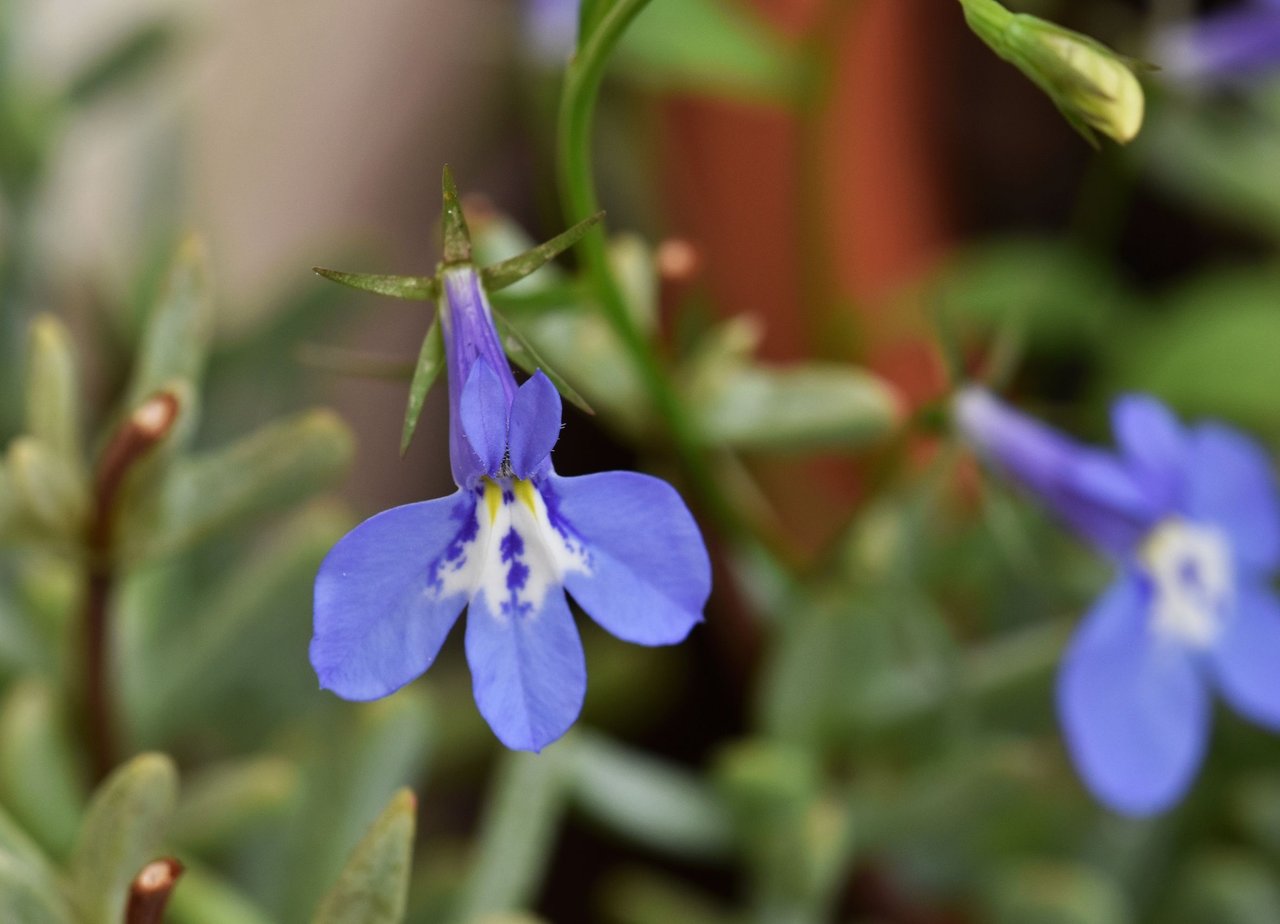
(150, 891)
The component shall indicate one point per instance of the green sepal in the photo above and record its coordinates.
(373, 886)
(53, 389)
(520, 351)
(413, 288)
(511, 271)
(457, 239)
(430, 362)
(122, 831)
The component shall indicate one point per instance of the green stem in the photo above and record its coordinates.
(579, 201)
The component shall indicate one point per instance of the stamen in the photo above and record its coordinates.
(1190, 568)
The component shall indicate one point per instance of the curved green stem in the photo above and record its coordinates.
(578, 199)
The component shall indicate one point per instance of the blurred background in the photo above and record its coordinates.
(857, 184)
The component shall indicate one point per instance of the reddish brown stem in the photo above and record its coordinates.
(150, 891)
(139, 432)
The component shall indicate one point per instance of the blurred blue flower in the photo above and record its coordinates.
(506, 545)
(1239, 43)
(1192, 518)
(551, 29)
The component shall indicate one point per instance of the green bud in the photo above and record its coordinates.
(53, 388)
(1093, 87)
(46, 489)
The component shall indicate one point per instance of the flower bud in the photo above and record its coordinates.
(1092, 86)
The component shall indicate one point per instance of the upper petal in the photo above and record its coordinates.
(648, 575)
(1246, 658)
(483, 409)
(535, 425)
(1153, 443)
(1133, 707)
(1229, 484)
(387, 594)
(527, 669)
(1092, 491)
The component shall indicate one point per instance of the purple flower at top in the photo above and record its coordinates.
(1236, 44)
(551, 29)
(507, 546)
(1191, 517)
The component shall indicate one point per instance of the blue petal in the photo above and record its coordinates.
(527, 671)
(535, 425)
(1091, 491)
(483, 408)
(650, 575)
(380, 618)
(1231, 486)
(1246, 659)
(1154, 444)
(1133, 706)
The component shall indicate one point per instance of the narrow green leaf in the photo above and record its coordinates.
(126, 61)
(28, 898)
(38, 776)
(359, 761)
(224, 800)
(649, 801)
(373, 886)
(430, 362)
(523, 354)
(1063, 893)
(122, 830)
(47, 489)
(512, 270)
(796, 409)
(526, 802)
(53, 389)
(414, 288)
(203, 898)
(278, 465)
(639, 897)
(176, 340)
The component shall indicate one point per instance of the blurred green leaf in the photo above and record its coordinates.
(430, 363)
(130, 59)
(38, 776)
(122, 831)
(374, 883)
(795, 409)
(179, 329)
(522, 815)
(1031, 892)
(53, 389)
(1218, 157)
(1211, 352)
(639, 897)
(1225, 888)
(523, 353)
(356, 765)
(414, 288)
(219, 801)
(632, 261)
(513, 269)
(27, 898)
(203, 898)
(47, 489)
(708, 46)
(646, 800)
(278, 465)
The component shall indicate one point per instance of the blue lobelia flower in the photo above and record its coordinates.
(1191, 517)
(1238, 43)
(507, 546)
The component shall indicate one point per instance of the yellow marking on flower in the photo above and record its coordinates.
(526, 494)
(492, 499)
